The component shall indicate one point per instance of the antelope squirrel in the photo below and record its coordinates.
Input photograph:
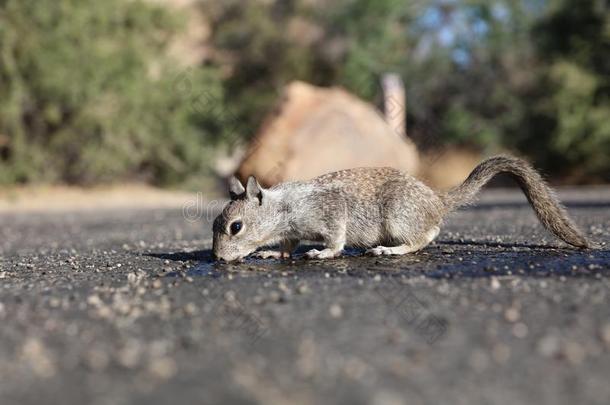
(381, 209)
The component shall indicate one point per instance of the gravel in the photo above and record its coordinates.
(127, 307)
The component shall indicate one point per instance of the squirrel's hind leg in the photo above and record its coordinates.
(405, 248)
(333, 250)
(335, 242)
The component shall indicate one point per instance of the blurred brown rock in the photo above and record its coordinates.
(318, 130)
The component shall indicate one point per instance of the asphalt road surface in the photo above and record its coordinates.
(127, 307)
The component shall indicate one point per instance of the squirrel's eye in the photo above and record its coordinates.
(236, 227)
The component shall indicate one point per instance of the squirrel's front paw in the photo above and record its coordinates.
(321, 254)
(268, 254)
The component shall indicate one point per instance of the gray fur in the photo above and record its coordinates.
(382, 209)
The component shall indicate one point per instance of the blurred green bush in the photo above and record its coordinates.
(568, 126)
(88, 95)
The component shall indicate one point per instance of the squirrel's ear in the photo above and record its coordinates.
(235, 188)
(254, 190)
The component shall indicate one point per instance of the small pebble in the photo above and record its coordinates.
(190, 309)
(54, 302)
(336, 311)
(520, 330)
(512, 314)
(94, 300)
(163, 368)
(575, 353)
(549, 346)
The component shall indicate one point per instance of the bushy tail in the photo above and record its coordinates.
(544, 201)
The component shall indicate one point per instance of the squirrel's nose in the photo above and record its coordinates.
(217, 257)
(220, 257)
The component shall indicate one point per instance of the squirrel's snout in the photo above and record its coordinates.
(223, 257)
(230, 260)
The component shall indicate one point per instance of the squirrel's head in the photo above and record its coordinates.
(245, 222)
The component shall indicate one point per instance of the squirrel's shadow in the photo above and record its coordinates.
(207, 256)
(498, 244)
(197, 255)
(206, 265)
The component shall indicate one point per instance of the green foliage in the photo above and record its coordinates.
(262, 53)
(368, 52)
(88, 94)
(574, 40)
(344, 42)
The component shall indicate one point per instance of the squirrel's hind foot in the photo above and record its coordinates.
(406, 248)
(392, 250)
(322, 254)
